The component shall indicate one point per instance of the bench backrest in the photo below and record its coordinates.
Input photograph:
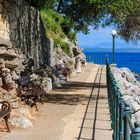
(23, 81)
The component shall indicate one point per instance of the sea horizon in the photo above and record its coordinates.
(129, 59)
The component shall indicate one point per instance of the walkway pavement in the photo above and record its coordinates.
(78, 111)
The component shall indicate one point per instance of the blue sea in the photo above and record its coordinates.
(130, 60)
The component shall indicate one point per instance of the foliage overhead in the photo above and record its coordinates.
(129, 28)
(78, 15)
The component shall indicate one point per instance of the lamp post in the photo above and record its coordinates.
(114, 33)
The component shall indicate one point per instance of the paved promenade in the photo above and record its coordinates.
(77, 111)
(96, 124)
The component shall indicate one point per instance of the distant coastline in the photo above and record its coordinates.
(128, 59)
(123, 50)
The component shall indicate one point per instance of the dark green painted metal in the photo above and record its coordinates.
(113, 50)
(126, 124)
(135, 135)
(120, 113)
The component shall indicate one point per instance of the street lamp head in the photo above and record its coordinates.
(114, 32)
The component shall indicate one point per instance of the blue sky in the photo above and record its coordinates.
(102, 38)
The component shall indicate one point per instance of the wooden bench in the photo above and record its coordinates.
(5, 112)
(29, 91)
(65, 71)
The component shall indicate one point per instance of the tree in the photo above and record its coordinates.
(80, 14)
(60, 2)
(94, 12)
(36, 3)
(129, 28)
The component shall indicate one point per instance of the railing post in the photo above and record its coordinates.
(120, 111)
(135, 135)
(112, 104)
(121, 124)
(115, 109)
(117, 113)
(127, 112)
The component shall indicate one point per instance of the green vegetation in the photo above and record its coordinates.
(54, 24)
(72, 36)
(129, 28)
(52, 21)
(67, 17)
(65, 47)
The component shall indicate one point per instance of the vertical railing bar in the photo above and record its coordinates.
(120, 113)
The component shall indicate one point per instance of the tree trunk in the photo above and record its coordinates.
(59, 5)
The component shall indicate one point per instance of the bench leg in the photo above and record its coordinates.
(27, 101)
(34, 104)
(36, 107)
(34, 99)
(41, 98)
(6, 122)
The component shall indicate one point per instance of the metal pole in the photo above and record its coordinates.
(113, 50)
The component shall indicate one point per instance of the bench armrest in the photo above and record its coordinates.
(5, 106)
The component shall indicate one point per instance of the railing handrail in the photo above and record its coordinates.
(120, 112)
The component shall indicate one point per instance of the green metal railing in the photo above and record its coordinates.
(120, 113)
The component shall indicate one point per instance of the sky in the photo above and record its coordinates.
(102, 38)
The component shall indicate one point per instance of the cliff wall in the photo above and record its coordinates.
(21, 25)
(23, 38)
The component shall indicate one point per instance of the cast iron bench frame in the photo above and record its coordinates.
(5, 113)
(29, 91)
(65, 71)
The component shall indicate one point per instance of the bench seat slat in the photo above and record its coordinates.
(24, 80)
(4, 113)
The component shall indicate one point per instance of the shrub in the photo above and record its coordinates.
(57, 27)
(72, 36)
(52, 21)
(65, 46)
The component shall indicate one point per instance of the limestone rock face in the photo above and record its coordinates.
(130, 88)
(21, 122)
(45, 82)
(22, 29)
(22, 32)
(21, 117)
(10, 66)
(76, 50)
(61, 57)
(1, 83)
(51, 52)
